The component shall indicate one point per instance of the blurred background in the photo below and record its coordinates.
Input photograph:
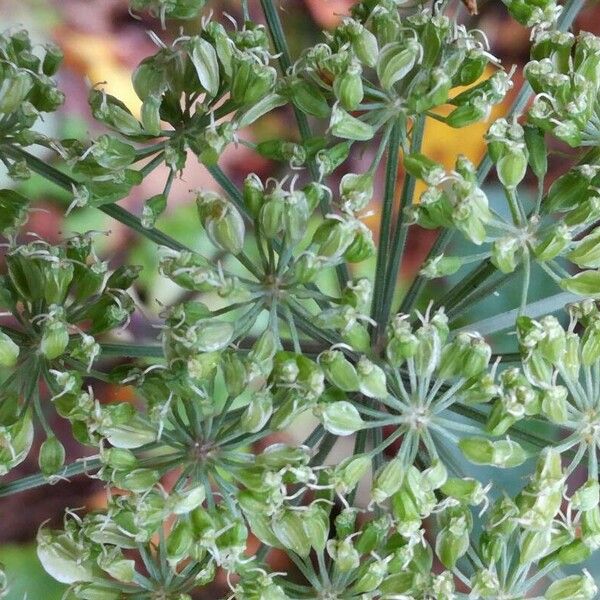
(102, 42)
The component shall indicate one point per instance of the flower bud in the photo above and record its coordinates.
(51, 457)
(9, 351)
(356, 191)
(340, 418)
(339, 370)
(289, 529)
(388, 480)
(64, 558)
(222, 221)
(452, 541)
(587, 497)
(55, 339)
(204, 59)
(343, 125)
(424, 168)
(505, 253)
(306, 96)
(396, 60)
(343, 553)
(371, 378)
(574, 587)
(512, 166)
(179, 541)
(567, 191)
(586, 283)
(348, 87)
(257, 413)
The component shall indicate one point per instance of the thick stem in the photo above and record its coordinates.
(391, 177)
(401, 231)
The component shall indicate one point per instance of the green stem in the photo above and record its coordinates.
(479, 292)
(400, 233)
(152, 164)
(230, 188)
(515, 209)
(526, 280)
(391, 177)
(132, 350)
(38, 480)
(468, 284)
(115, 211)
(285, 62)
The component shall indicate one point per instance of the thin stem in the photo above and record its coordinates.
(515, 208)
(229, 187)
(38, 480)
(115, 211)
(132, 350)
(480, 292)
(526, 280)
